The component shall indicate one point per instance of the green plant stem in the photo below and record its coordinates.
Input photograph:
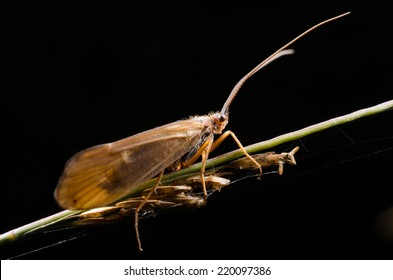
(15, 234)
(264, 145)
(214, 162)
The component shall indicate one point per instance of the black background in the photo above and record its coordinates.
(77, 75)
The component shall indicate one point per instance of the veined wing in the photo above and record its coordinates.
(105, 173)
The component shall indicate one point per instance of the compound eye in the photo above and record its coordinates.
(222, 118)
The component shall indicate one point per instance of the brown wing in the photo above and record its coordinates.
(105, 173)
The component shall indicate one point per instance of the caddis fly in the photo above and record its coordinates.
(103, 174)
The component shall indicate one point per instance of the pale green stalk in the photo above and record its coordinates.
(214, 162)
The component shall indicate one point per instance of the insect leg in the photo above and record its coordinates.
(211, 145)
(215, 144)
(205, 156)
(153, 189)
(198, 153)
(230, 133)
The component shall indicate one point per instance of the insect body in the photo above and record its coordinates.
(103, 174)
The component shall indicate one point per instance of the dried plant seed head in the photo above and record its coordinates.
(99, 212)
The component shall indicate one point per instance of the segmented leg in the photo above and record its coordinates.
(153, 189)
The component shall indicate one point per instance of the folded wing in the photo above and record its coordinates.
(105, 173)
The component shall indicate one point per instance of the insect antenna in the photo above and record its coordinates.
(280, 52)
